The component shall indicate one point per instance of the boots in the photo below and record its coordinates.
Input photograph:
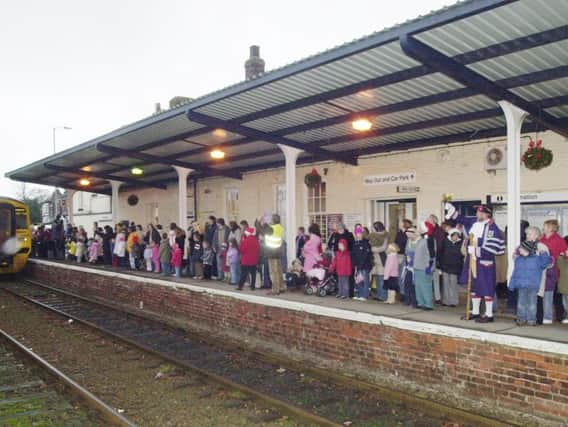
(391, 297)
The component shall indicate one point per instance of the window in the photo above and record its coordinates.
(232, 204)
(317, 200)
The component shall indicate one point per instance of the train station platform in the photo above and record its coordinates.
(511, 372)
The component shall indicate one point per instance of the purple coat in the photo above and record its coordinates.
(490, 244)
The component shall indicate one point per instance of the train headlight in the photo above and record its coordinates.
(11, 246)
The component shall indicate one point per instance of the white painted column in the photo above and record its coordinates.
(115, 186)
(514, 117)
(182, 196)
(291, 154)
(69, 201)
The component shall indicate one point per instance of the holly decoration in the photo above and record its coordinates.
(536, 157)
(312, 179)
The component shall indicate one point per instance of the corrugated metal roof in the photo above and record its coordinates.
(323, 92)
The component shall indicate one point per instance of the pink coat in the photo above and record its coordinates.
(391, 266)
(312, 252)
(177, 257)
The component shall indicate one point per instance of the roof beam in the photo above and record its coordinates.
(263, 136)
(505, 48)
(170, 162)
(439, 62)
(63, 184)
(105, 176)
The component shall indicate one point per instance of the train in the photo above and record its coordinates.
(15, 235)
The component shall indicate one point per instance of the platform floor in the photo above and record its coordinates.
(449, 316)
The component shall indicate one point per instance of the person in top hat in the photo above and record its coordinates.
(487, 243)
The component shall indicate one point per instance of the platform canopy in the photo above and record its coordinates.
(432, 80)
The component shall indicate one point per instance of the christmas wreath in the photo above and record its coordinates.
(536, 157)
(312, 179)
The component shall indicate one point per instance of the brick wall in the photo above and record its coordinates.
(470, 373)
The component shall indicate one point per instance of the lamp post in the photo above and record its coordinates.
(54, 129)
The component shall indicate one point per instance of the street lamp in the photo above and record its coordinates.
(54, 129)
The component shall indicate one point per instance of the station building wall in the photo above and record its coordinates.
(458, 169)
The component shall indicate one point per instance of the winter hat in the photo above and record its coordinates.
(426, 228)
(530, 247)
(250, 231)
(341, 225)
(453, 231)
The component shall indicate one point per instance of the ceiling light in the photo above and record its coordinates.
(217, 154)
(87, 169)
(362, 124)
(220, 133)
(84, 182)
(137, 171)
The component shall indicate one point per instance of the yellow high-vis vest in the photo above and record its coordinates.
(274, 240)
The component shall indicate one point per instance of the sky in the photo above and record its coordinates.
(96, 66)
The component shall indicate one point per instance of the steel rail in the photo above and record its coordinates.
(109, 414)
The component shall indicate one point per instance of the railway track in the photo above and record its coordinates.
(33, 392)
(308, 399)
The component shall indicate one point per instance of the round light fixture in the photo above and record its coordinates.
(137, 171)
(87, 169)
(220, 133)
(217, 154)
(362, 124)
(84, 182)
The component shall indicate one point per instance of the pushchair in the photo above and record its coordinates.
(321, 282)
(295, 278)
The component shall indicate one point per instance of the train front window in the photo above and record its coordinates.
(5, 223)
(21, 222)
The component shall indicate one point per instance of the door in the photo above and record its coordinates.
(392, 212)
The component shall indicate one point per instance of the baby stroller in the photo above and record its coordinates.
(321, 282)
(295, 278)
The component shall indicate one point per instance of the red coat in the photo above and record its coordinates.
(342, 262)
(250, 250)
(556, 245)
(177, 257)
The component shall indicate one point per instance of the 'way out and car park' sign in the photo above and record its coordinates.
(389, 179)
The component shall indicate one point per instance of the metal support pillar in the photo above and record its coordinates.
(182, 174)
(115, 186)
(291, 154)
(514, 117)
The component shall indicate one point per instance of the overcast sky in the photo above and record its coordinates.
(96, 66)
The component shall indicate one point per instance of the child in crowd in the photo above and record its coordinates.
(224, 264)
(451, 262)
(155, 247)
(119, 251)
(148, 256)
(133, 247)
(233, 261)
(94, 251)
(71, 249)
(342, 266)
(362, 258)
(80, 248)
(177, 260)
(195, 257)
(207, 258)
(391, 273)
(562, 264)
(407, 277)
(165, 254)
(527, 277)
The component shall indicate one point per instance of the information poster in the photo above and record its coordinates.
(332, 221)
(351, 219)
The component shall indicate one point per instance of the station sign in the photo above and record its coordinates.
(407, 189)
(391, 178)
(533, 197)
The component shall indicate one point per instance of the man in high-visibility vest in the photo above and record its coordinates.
(273, 243)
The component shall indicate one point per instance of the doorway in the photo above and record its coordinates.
(392, 212)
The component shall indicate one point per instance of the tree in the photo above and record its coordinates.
(34, 198)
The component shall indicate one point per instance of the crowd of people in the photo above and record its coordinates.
(422, 265)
